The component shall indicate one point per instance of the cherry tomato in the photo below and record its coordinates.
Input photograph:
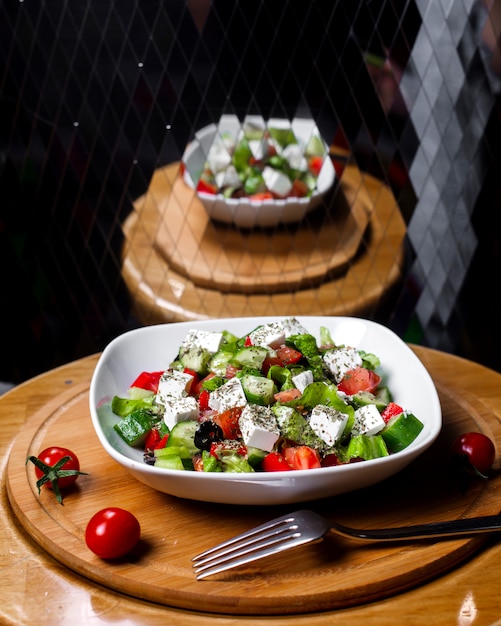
(474, 452)
(56, 468)
(359, 379)
(112, 533)
(275, 462)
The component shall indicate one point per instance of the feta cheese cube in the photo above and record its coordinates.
(327, 423)
(368, 421)
(277, 182)
(228, 178)
(294, 154)
(210, 341)
(179, 410)
(292, 326)
(303, 379)
(342, 360)
(259, 148)
(218, 158)
(259, 427)
(174, 383)
(270, 335)
(228, 396)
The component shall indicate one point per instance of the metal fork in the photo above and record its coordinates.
(301, 527)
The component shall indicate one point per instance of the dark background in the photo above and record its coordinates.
(95, 95)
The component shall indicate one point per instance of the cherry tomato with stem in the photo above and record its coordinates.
(57, 468)
(112, 533)
(474, 453)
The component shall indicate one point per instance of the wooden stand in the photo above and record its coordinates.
(340, 260)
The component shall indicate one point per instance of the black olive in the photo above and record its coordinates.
(207, 433)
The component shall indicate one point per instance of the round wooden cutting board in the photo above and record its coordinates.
(270, 260)
(332, 574)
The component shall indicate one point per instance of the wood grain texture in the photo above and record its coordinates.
(334, 574)
(271, 260)
(178, 267)
(37, 589)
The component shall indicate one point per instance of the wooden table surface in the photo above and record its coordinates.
(37, 589)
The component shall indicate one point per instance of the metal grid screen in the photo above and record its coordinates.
(98, 100)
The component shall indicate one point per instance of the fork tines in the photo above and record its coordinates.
(270, 538)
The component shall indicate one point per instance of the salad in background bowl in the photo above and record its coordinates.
(352, 439)
(258, 173)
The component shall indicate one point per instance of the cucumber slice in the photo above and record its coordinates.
(401, 431)
(170, 462)
(134, 428)
(255, 456)
(219, 362)
(258, 389)
(197, 359)
(363, 398)
(182, 436)
(183, 452)
(366, 447)
(251, 356)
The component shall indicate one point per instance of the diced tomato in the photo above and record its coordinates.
(391, 410)
(203, 400)
(275, 462)
(299, 189)
(268, 362)
(205, 187)
(302, 457)
(288, 355)
(198, 464)
(262, 195)
(228, 421)
(231, 370)
(287, 395)
(163, 442)
(248, 341)
(315, 165)
(148, 381)
(359, 379)
(196, 388)
(283, 356)
(191, 372)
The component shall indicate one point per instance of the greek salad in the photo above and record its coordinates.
(262, 163)
(275, 399)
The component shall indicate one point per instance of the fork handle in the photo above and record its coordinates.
(467, 526)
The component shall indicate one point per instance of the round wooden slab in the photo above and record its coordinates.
(220, 256)
(332, 574)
